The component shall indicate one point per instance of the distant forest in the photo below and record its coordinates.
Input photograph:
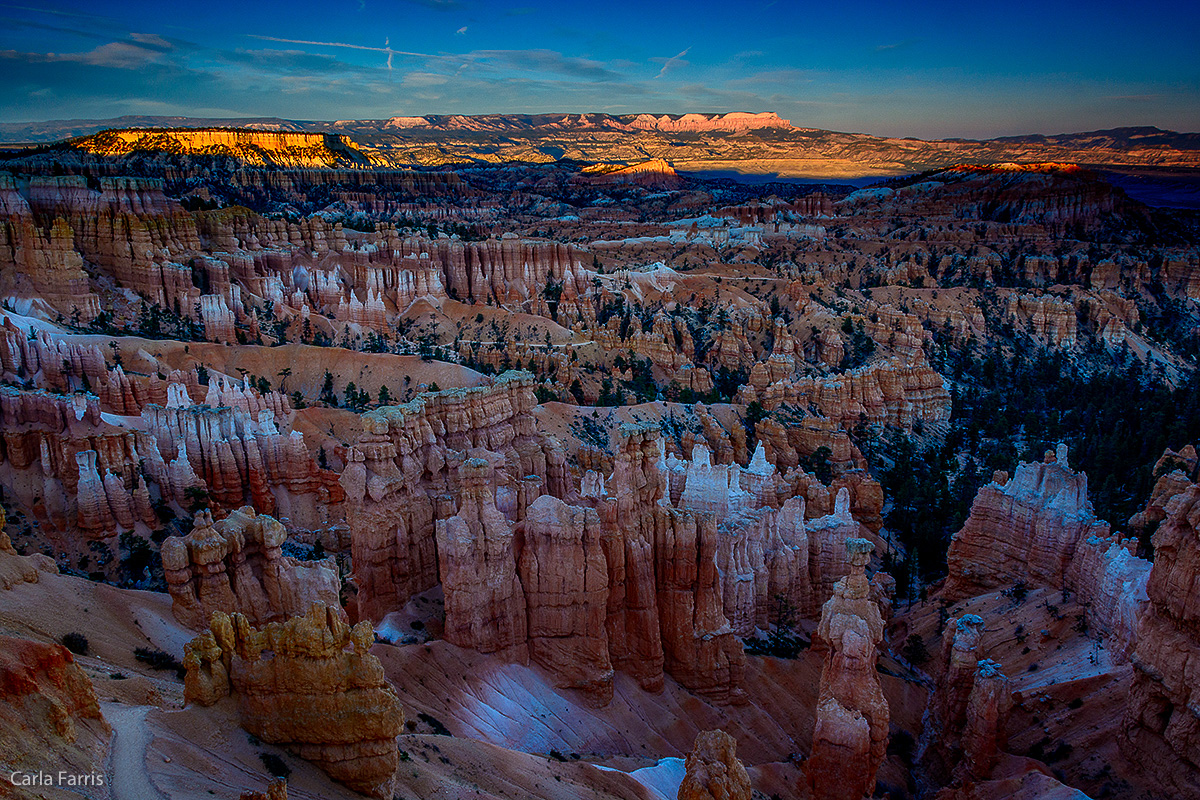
(1012, 404)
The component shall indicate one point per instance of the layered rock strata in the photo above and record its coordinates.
(1024, 529)
(664, 606)
(850, 738)
(237, 457)
(891, 392)
(984, 737)
(1039, 528)
(565, 578)
(83, 471)
(1173, 472)
(403, 475)
(237, 566)
(1161, 728)
(485, 603)
(450, 489)
(50, 720)
(309, 684)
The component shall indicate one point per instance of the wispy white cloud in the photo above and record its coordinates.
(424, 79)
(387, 48)
(55, 12)
(546, 61)
(461, 31)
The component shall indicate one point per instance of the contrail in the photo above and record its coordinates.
(385, 49)
(670, 62)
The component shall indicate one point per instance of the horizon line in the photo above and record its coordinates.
(790, 124)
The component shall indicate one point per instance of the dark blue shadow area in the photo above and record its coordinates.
(1161, 188)
(755, 179)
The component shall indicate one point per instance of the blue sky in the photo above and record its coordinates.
(940, 70)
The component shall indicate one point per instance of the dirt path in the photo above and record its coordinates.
(129, 779)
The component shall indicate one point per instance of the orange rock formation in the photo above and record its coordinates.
(50, 718)
(310, 684)
(236, 565)
(850, 739)
(1160, 731)
(714, 771)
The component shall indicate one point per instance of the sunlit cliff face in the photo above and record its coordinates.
(256, 148)
(1045, 166)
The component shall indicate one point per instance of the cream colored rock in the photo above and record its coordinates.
(828, 559)
(714, 771)
(485, 604)
(850, 738)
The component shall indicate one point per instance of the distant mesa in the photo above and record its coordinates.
(259, 148)
(655, 173)
(397, 122)
(734, 121)
(666, 123)
(732, 144)
(1009, 166)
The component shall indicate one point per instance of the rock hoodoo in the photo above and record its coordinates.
(850, 739)
(964, 729)
(310, 684)
(485, 604)
(237, 565)
(1040, 529)
(1025, 529)
(714, 771)
(565, 578)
